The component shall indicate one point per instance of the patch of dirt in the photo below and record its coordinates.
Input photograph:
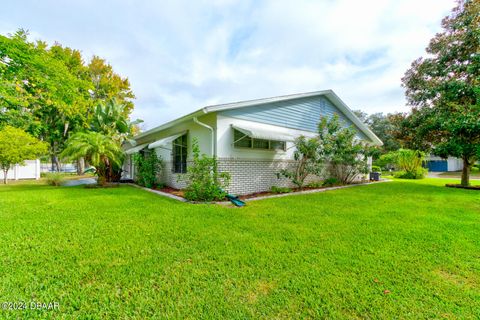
(456, 279)
(262, 288)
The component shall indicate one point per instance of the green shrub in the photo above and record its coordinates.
(276, 189)
(204, 182)
(475, 169)
(148, 166)
(339, 147)
(386, 161)
(331, 182)
(376, 169)
(316, 184)
(306, 161)
(420, 173)
(55, 178)
(407, 162)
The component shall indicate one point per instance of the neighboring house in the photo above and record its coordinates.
(252, 140)
(31, 170)
(437, 164)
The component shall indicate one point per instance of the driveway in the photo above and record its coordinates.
(452, 175)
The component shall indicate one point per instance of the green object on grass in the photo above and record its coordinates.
(90, 170)
(235, 200)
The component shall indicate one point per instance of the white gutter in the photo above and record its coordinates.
(211, 130)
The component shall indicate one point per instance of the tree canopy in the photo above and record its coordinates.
(16, 146)
(51, 92)
(384, 127)
(443, 88)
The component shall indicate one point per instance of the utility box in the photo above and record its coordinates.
(375, 176)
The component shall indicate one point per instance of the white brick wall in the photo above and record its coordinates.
(168, 178)
(247, 175)
(250, 176)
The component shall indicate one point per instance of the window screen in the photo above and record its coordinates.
(243, 141)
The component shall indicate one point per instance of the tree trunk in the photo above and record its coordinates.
(80, 166)
(5, 172)
(53, 162)
(57, 164)
(466, 172)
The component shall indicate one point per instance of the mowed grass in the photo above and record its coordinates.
(400, 249)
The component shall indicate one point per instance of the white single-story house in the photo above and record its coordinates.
(252, 140)
(30, 170)
(438, 164)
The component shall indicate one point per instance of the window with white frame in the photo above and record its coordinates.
(179, 154)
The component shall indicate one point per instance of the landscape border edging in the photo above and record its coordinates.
(314, 191)
(160, 193)
(174, 197)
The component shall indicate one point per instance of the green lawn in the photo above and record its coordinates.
(127, 253)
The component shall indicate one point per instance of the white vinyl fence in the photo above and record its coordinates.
(64, 167)
(31, 170)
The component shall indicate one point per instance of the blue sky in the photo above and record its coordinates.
(182, 55)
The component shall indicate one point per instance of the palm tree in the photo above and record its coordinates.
(100, 150)
(111, 119)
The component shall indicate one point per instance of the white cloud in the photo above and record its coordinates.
(182, 55)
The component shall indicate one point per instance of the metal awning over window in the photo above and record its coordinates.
(136, 149)
(259, 132)
(165, 142)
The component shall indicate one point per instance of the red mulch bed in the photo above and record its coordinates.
(269, 193)
(180, 193)
(257, 194)
(176, 192)
(449, 185)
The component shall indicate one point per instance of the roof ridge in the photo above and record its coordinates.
(285, 96)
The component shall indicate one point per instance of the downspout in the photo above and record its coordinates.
(211, 130)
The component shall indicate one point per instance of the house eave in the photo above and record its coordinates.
(171, 123)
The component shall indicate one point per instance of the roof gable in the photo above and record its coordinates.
(311, 105)
(301, 113)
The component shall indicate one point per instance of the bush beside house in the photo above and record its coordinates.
(204, 182)
(148, 165)
(334, 153)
